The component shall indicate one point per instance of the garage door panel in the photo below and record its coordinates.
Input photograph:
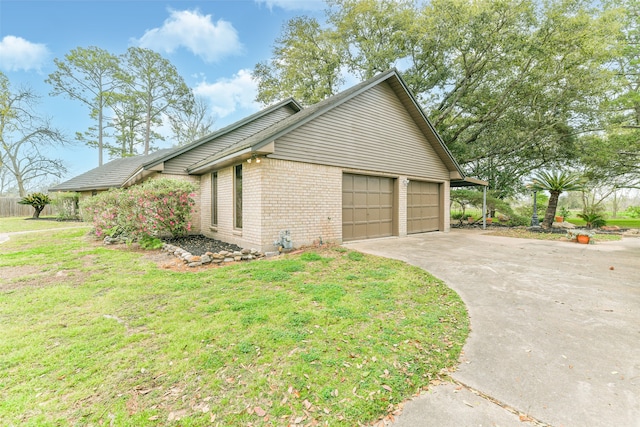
(359, 198)
(373, 199)
(367, 206)
(423, 207)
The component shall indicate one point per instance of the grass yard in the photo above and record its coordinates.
(95, 335)
(620, 222)
(13, 224)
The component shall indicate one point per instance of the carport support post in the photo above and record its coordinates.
(484, 207)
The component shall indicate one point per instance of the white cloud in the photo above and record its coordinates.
(196, 32)
(227, 95)
(17, 53)
(293, 4)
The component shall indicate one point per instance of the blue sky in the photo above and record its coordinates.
(214, 45)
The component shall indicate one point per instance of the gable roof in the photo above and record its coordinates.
(113, 174)
(290, 102)
(255, 143)
(126, 171)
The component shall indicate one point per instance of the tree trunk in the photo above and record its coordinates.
(37, 211)
(100, 130)
(551, 209)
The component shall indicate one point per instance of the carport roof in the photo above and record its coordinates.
(468, 182)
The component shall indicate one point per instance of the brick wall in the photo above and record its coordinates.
(304, 198)
(249, 235)
(402, 188)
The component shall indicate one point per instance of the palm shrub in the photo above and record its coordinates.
(593, 220)
(38, 201)
(555, 182)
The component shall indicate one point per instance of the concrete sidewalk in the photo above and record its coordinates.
(555, 334)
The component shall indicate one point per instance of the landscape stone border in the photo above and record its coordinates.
(211, 257)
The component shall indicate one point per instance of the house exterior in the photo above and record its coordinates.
(365, 163)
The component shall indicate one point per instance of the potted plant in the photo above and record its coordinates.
(580, 236)
(559, 218)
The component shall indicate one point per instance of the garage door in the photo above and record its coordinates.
(367, 206)
(423, 207)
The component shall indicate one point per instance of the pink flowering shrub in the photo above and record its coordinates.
(102, 211)
(156, 207)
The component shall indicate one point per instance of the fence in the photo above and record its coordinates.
(9, 206)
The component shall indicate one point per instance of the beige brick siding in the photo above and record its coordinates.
(447, 206)
(402, 205)
(304, 198)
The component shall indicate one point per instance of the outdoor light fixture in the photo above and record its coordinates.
(252, 158)
(534, 217)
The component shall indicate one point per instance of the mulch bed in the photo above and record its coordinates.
(199, 245)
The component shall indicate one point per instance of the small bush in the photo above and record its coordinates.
(593, 220)
(150, 242)
(67, 205)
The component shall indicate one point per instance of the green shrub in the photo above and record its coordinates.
(67, 205)
(150, 242)
(593, 220)
(456, 215)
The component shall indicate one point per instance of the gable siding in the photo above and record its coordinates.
(179, 164)
(372, 131)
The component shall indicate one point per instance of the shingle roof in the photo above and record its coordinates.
(110, 175)
(225, 130)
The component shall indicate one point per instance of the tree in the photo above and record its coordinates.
(555, 182)
(38, 201)
(88, 75)
(188, 126)
(155, 83)
(128, 124)
(611, 157)
(24, 135)
(305, 65)
(508, 85)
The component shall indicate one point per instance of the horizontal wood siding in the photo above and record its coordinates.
(179, 164)
(372, 131)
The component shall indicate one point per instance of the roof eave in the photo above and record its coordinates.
(215, 135)
(246, 153)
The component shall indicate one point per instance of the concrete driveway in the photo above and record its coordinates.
(555, 330)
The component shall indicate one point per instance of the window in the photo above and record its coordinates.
(214, 198)
(237, 188)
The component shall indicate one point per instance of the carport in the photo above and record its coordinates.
(473, 182)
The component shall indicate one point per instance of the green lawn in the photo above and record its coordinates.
(95, 335)
(620, 222)
(26, 224)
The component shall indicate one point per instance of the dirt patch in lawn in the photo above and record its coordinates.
(14, 278)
